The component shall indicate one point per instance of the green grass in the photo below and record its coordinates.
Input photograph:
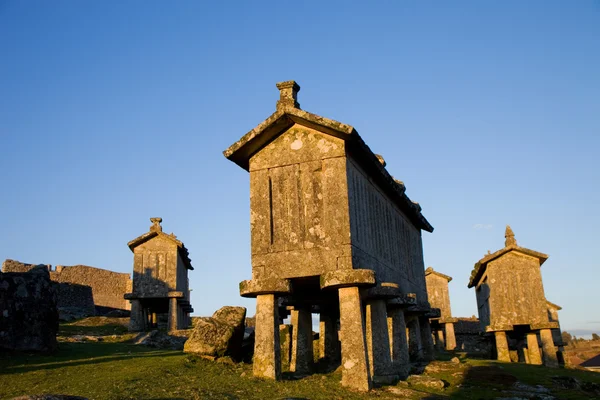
(121, 370)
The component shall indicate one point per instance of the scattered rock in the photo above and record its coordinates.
(570, 383)
(455, 360)
(220, 335)
(160, 340)
(118, 314)
(425, 381)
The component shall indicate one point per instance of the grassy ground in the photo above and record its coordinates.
(118, 369)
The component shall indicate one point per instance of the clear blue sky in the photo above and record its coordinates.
(113, 112)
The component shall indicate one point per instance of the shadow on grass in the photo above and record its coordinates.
(76, 354)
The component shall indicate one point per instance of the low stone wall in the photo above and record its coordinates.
(471, 339)
(28, 311)
(77, 282)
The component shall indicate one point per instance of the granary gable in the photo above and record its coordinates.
(430, 271)
(156, 231)
(288, 114)
(510, 244)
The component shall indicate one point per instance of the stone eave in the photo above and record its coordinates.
(551, 304)
(481, 265)
(181, 249)
(241, 151)
(430, 270)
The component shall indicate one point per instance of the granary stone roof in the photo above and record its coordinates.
(155, 231)
(510, 245)
(430, 270)
(289, 113)
(593, 362)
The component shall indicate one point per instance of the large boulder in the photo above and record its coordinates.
(28, 312)
(220, 335)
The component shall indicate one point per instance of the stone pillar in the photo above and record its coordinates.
(136, 322)
(550, 358)
(328, 337)
(398, 341)
(285, 339)
(440, 343)
(267, 360)
(415, 347)
(355, 367)
(450, 337)
(426, 339)
(378, 340)
(302, 347)
(502, 346)
(173, 314)
(533, 349)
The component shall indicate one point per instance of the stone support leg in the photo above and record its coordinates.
(173, 314)
(533, 349)
(136, 322)
(378, 341)
(440, 343)
(415, 347)
(285, 339)
(502, 346)
(398, 341)
(450, 337)
(267, 360)
(426, 339)
(355, 367)
(302, 347)
(550, 356)
(328, 337)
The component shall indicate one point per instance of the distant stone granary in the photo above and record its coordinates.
(439, 297)
(332, 232)
(512, 304)
(160, 283)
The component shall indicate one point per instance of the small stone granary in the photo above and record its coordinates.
(160, 283)
(333, 233)
(512, 304)
(439, 297)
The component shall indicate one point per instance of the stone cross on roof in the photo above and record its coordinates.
(510, 237)
(156, 224)
(288, 95)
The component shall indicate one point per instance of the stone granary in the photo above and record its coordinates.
(512, 304)
(439, 297)
(333, 233)
(160, 282)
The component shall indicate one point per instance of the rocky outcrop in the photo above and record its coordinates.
(28, 312)
(220, 335)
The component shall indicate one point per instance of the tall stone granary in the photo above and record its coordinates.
(160, 294)
(513, 307)
(333, 233)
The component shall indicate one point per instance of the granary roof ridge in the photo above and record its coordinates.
(183, 251)
(480, 265)
(286, 115)
(430, 270)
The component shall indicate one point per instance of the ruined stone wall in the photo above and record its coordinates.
(383, 238)
(437, 292)
(516, 291)
(298, 206)
(82, 286)
(155, 267)
(28, 311)
(108, 287)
